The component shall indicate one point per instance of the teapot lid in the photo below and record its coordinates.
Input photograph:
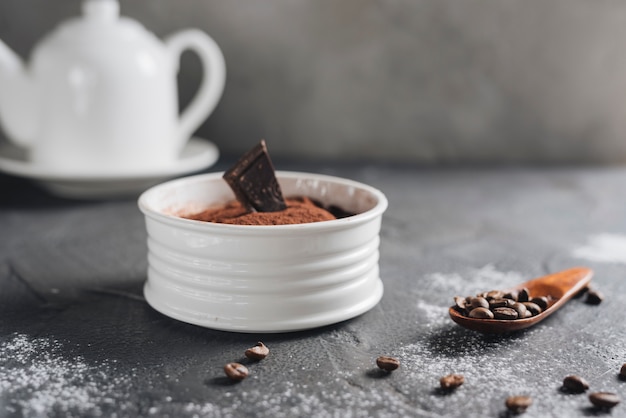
(100, 24)
(101, 9)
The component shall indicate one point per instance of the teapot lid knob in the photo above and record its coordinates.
(101, 9)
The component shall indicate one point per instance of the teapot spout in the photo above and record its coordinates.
(17, 109)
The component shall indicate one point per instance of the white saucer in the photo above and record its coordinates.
(197, 155)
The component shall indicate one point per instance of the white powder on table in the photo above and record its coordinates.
(35, 378)
(37, 381)
(475, 280)
(606, 248)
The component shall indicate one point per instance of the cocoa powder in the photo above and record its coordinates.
(299, 210)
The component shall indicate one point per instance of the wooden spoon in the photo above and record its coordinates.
(558, 288)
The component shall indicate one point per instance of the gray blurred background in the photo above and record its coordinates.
(412, 81)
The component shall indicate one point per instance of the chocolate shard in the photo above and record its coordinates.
(254, 183)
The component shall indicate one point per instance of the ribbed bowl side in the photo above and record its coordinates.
(275, 278)
(314, 279)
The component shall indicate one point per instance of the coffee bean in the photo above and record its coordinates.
(540, 301)
(523, 295)
(481, 313)
(494, 294)
(501, 303)
(581, 292)
(533, 308)
(459, 302)
(520, 309)
(622, 372)
(258, 352)
(518, 404)
(451, 381)
(605, 400)
(575, 384)
(479, 302)
(387, 363)
(236, 371)
(594, 297)
(504, 313)
(512, 294)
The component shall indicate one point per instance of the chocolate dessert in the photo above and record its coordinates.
(299, 210)
(259, 198)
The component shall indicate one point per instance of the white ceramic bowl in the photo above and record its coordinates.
(262, 278)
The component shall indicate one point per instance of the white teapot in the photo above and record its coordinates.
(100, 93)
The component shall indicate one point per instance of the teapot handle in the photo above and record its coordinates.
(213, 78)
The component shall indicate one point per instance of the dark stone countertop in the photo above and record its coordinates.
(77, 338)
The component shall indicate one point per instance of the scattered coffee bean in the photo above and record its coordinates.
(518, 404)
(540, 301)
(622, 372)
(575, 384)
(258, 352)
(451, 381)
(387, 363)
(581, 292)
(605, 400)
(594, 297)
(533, 308)
(236, 371)
(481, 313)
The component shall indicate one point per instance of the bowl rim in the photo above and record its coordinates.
(375, 211)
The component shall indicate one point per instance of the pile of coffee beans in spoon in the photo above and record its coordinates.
(497, 304)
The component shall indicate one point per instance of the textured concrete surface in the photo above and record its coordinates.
(426, 81)
(77, 338)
